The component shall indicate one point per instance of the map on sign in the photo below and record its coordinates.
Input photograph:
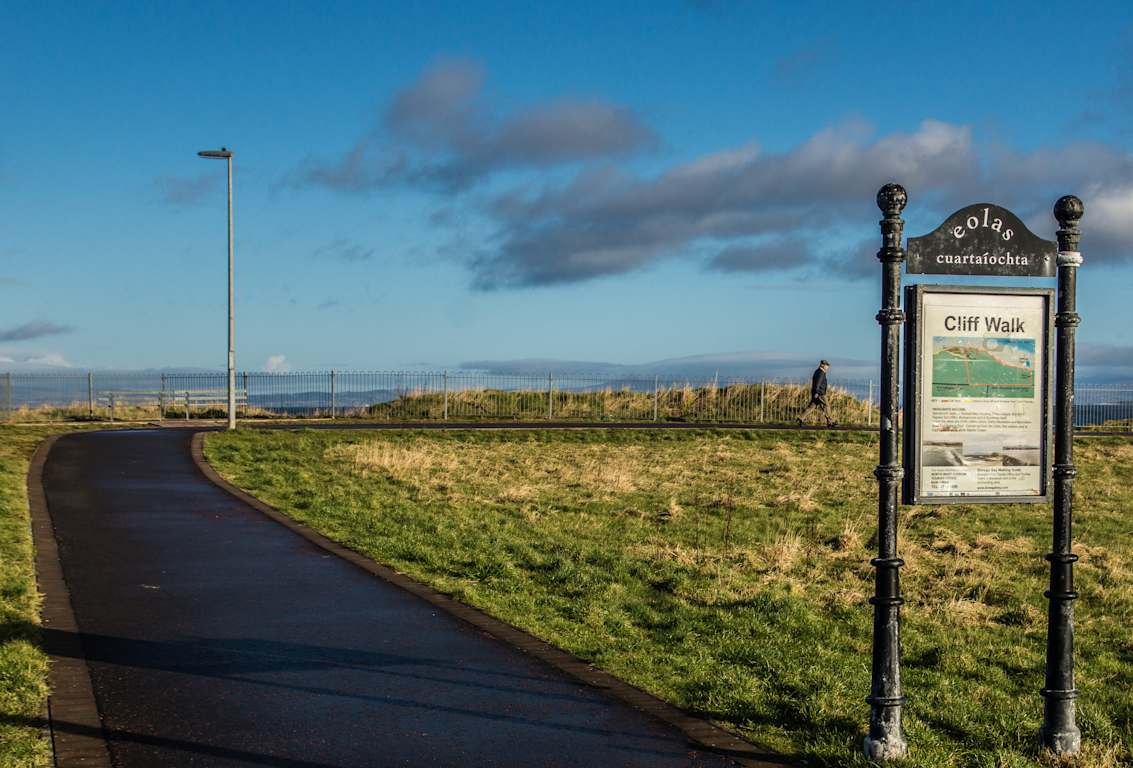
(966, 366)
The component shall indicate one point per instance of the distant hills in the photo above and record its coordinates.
(1097, 363)
(729, 365)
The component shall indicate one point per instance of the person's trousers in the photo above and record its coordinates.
(818, 401)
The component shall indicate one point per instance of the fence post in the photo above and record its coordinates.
(90, 394)
(188, 406)
(869, 406)
(550, 397)
(245, 394)
(112, 406)
(762, 399)
(332, 394)
(446, 395)
(161, 400)
(656, 398)
(8, 396)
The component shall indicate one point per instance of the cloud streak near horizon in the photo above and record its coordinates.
(344, 250)
(188, 190)
(33, 330)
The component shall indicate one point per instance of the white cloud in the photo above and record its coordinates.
(737, 206)
(32, 361)
(277, 363)
(444, 130)
(1109, 216)
(53, 359)
(733, 208)
(608, 222)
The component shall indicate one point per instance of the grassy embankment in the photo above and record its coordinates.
(751, 403)
(728, 572)
(79, 412)
(23, 666)
(768, 402)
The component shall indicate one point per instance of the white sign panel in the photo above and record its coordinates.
(979, 395)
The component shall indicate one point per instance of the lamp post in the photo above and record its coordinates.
(225, 154)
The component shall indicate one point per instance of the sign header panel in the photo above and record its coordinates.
(978, 395)
(982, 239)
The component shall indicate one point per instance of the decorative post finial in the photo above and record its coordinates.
(1068, 210)
(891, 199)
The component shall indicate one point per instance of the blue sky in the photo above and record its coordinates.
(431, 184)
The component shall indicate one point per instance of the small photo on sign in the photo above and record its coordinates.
(993, 450)
(980, 366)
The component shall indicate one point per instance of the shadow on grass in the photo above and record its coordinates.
(784, 714)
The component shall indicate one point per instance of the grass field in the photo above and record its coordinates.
(23, 666)
(728, 572)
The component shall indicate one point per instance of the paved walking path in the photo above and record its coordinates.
(217, 637)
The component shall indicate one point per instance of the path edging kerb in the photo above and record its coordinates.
(71, 699)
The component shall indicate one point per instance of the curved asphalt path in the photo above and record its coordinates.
(215, 636)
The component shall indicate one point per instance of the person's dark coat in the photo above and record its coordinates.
(818, 383)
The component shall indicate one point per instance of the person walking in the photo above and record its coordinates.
(818, 394)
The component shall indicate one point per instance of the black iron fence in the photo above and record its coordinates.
(466, 396)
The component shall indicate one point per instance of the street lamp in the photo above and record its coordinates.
(226, 154)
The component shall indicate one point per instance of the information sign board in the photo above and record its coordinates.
(977, 396)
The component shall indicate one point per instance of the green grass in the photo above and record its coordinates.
(23, 665)
(727, 572)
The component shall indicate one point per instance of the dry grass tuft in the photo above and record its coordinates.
(963, 611)
(1093, 756)
(609, 476)
(398, 460)
(785, 551)
(514, 474)
(671, 512)
(849, 539)
(802, 500)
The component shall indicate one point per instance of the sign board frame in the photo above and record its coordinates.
(915, 409)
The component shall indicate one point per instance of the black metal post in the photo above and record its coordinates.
(1059, 732)
(886, 740)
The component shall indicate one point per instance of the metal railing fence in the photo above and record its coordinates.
(467, 396)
